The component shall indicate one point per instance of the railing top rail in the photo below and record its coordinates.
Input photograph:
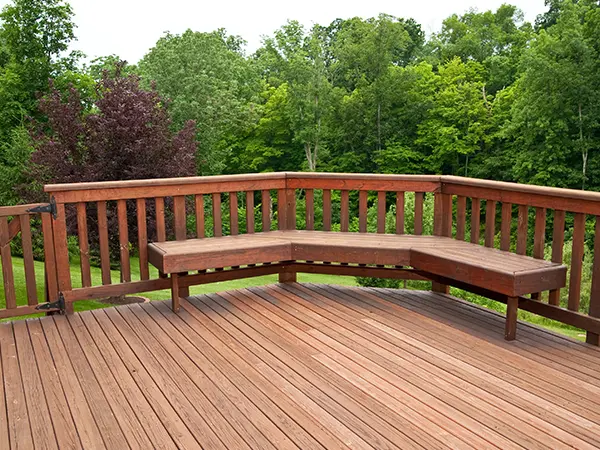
(522, 188)
(162, 182)
(18, 210)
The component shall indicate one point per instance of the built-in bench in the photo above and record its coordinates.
(445, 260)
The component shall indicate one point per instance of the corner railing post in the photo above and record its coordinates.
(442, 226)
(287, 199)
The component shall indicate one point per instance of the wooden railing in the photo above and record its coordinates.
(494, 214)
(15, 223)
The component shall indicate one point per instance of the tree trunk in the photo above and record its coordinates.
(379, 126)
(584, 150)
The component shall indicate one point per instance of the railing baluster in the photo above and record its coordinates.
(281, 217)
(418, 225)
(123, 240)
(250, 212)
(84, 246)
(217, 222)
(290, 209)
(490, 222)
(522, 225)
(400, 212)
(344, 211)
(594, 311)
(142, 238)
(558, 242)
(161, 233)
(576, 262)
(381, 210)
(475, 219)
(199, 205)
(32, 298)
(7, 267)
(539, 239)
(266, 210)
(362, 211)
(505, 226)
(103, 242)
(180, 217)
(461, 217)
(310, 209)
(327, 209)
(233, 213)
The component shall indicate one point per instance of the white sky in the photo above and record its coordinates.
(129, 28)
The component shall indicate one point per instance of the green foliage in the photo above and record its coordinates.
(207, 79)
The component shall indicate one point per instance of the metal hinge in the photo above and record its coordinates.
(48, 208)
(58, 304)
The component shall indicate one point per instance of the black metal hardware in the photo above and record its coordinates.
(58, 304)
(48, 208)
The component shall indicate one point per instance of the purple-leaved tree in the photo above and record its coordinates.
(127, 135)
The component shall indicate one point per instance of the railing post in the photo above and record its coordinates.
(594, 311)
(442, 226)
(61, 253)
(287, 221)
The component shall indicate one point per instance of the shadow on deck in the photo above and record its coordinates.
(295, 365)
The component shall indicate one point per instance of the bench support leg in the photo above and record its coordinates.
(441, 288)
(287, 277)
(510, 332)
(175, 292)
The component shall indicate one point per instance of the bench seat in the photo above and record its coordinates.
(470, 264)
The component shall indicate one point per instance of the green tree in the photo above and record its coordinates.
(208, 80)
(557, 110)
(458, 124)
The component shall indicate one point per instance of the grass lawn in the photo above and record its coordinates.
(237, 284)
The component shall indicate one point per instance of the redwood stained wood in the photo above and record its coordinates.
(522, 226)
(461, 217)
(84, 245)
(381, 210)
(59, 227)
(217, 221)
(594, 310)
(7, 267)
(281, 210)
(180, 217)
(161, 233)
(233, 213)
(295, 365)
(200, 224)
(399, 212)
(266, 210)
(362, 211)
(290, 205)
(28, 262)
(142, 238)
(49, 259)
(310, 209)
(475, 220)
(250, 212)
(490, 223)
(326, 209)
(123, 241)
(506, 226)
(344, 211)
(103, 242)
(418, 225)
(539, 240)
(558, 242)
(576, 262)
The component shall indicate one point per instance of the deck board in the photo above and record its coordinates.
(295, 366)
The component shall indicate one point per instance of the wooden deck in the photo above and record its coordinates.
(295, 366)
